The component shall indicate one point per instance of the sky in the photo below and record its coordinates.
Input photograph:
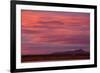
(46, 32)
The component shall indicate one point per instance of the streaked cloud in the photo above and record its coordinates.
(56, 28)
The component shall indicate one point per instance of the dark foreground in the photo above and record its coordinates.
(41, 58)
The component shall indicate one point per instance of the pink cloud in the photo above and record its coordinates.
(44, 27)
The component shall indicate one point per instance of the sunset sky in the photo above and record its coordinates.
(45, 32)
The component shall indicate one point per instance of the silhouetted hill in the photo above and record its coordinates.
(57, 56)
(74, 52)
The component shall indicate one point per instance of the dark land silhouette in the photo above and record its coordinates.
(57, 56)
